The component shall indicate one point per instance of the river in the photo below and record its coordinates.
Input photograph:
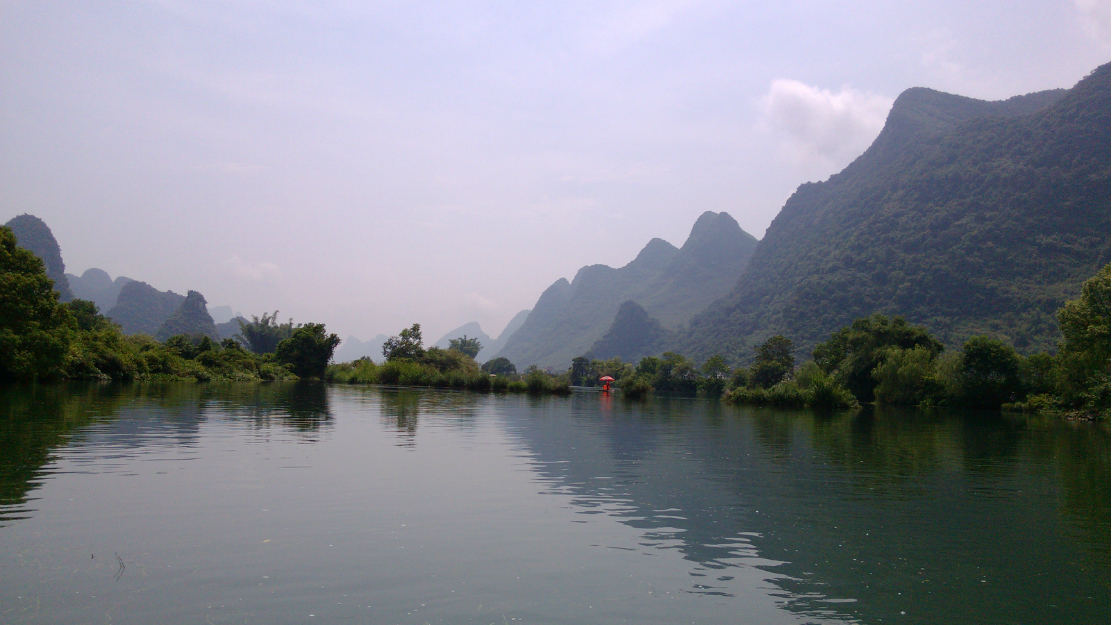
(308, 503)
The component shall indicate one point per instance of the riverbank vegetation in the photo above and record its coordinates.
(409, 363)
(44, 339)
(889, 361)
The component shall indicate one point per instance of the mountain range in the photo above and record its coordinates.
(491, 347)
(965, 216)
(671, 284)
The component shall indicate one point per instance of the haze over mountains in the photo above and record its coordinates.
(671, 283)
(966, 216)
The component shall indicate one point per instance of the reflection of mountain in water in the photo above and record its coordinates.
(869, 514)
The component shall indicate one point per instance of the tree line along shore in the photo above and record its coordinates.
(876, 358)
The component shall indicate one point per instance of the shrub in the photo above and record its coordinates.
(989, 373)
(825, 393)
(636, 387)
(906, 376)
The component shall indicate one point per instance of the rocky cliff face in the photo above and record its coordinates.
(33, 234)
(191, 318)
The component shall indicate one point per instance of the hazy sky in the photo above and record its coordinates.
(373, 164)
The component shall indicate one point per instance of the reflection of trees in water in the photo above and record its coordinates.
(300, 406)
(403, 408)
(858, 505)
(34, 420)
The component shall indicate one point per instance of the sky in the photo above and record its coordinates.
(369, 165)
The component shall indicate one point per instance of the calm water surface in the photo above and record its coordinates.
(303, 503)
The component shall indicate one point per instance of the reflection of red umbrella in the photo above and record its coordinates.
(606, 380)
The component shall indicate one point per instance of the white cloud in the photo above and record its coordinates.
(820, 127)
(254, 272)
(480, 303)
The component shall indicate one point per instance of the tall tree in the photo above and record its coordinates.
(35, 330)
(308, 350)
(407, 344)
(464, 345)
(262, 336)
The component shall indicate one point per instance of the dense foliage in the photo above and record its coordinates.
(43, 339)
(307, 351)
(967, 217)
(35, 331)
(409, 363)
(406, 345)
(464, 345)
(262, 335)
(903, 365)
(852, 353)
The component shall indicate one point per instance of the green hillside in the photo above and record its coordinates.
(140, 308)
(967, 217)
(670, 284)
(632, 335)
(191, 318)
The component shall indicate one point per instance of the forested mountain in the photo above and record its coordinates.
(670, 284)
(32, 234)
(191, 318)
(95, 285)
(141, 308)
(965, 216)
(632, 335)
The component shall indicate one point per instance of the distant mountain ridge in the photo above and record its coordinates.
(95, 285)
(191, 319)
(670, 283)
(491, 346)
(969, 217)
(142, 309)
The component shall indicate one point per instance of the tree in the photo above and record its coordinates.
(407, 344)
(35, 330)
(464, 345)
(906, 376)
(262, 336)
(773, 363)
(1083, 352)
(87, 315)
(852, 353)
(716, 368)
(580, 370)
(989, 373)
(499, 366)
(308, 350)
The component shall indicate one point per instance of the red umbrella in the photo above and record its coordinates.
(606, 378)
